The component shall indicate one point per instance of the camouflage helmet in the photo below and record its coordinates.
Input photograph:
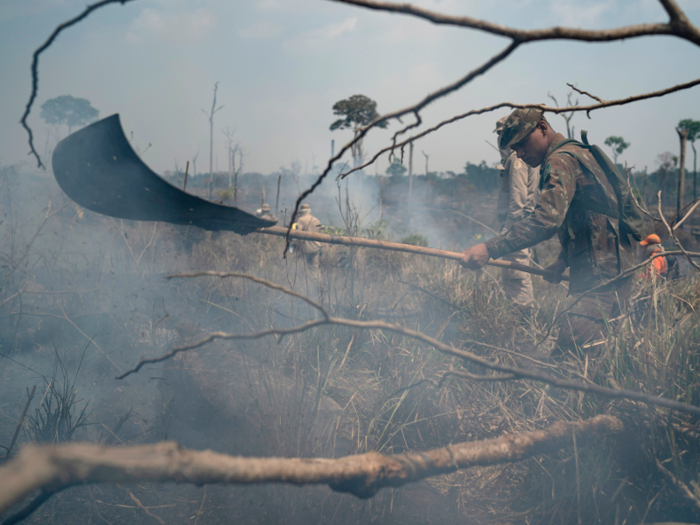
(304, 209)
(518, 125)
(499, 124)
(265, 207)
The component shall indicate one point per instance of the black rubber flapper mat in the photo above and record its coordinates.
(98, 169)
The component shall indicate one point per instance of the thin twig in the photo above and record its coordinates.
(255, 280)
(678, 483)
(543, 107)
(144, 509)
(30, 396)
(35, 65)
(519, 373)
(673, 235)
(582, 92)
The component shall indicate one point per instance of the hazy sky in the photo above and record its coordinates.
(282, 64)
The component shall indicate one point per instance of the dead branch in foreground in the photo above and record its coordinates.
(510, 372)
(55, 468)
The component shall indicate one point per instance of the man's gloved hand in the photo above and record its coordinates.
(556, 270)
(475, 257)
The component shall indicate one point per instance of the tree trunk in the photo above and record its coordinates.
(683, 136)
(410, 171)
(695, 171)
(211, 150)
(214, 109)
(230, 166)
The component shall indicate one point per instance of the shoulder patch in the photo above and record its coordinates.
(518, 164)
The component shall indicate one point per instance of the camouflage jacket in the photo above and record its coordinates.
(578, 203)
(517, 194)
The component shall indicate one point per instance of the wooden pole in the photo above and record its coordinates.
(393, 246)
(187, 168)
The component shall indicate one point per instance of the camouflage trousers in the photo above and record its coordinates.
(585, 322)
(517, 284)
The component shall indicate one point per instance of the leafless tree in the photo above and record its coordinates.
(232, 150)
(194, 162)
(683, 137)
(567, 116)
(210, 115)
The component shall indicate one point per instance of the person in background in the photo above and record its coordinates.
(661, 266)
(311, 250)
(264, 212)
(517, 197)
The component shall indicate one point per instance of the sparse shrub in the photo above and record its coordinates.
(416, 239)
(60, 414)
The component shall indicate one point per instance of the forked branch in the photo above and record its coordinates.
(516, 372)
(512, 105)
(678, 25)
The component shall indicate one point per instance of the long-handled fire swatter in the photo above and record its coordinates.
(98, 169)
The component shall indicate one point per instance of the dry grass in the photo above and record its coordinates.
(365, 378)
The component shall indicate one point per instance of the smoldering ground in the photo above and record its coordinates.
(90, 292)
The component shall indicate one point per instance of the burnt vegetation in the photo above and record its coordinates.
(85, 301)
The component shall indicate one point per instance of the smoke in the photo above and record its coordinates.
(88, 292)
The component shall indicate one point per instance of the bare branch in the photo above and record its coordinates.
(518, 373)
(144, 509)
(397, 115)
(673, 236)
(543, 107)
(255, 280)
(678, 26)
(224, 335)
(35, 65)
(362, 475)
(691, 210)
(678, 483)
(675, 13)
(582, 92)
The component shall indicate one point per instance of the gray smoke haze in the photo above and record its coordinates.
(91, 301)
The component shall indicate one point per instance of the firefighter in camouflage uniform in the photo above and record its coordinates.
(577, 202)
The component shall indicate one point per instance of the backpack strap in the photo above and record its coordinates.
(609, 211)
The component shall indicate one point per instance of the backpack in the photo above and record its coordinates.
(630, 218)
